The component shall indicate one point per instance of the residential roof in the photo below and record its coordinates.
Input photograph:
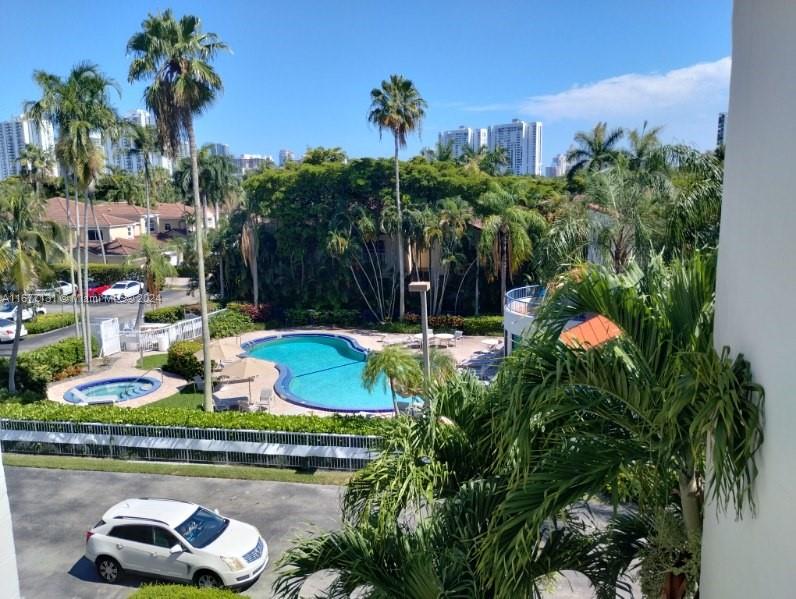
(113, 214)
(592, 332)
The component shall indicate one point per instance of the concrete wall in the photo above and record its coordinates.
(9, 582)
(756, 296)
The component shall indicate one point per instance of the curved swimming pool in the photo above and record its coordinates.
(111, 390)
(323, 372)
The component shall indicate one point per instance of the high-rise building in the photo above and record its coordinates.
(286, 156)
(246, 163)
(522, 142)
(121, 153)
(462, 138)
(722, 128)
(558, 166)
(18, 132)
(217, 149)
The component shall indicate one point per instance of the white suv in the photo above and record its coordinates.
(176, 540)
(121, 290)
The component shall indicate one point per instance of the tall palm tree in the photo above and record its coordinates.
(397, 366)
(156, 268)
(250, 250)
(644, 147)
(658, 404)
(398, 107)
(36, 164)
(596, 149)
(494, 162)
(176, 56)
(28, 244)
(507, 235)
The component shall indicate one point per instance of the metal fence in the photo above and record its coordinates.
(155, 338)
(524, 300)
(184, 444)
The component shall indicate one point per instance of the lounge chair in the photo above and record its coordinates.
(223, 404)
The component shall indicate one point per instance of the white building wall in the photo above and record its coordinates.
(756, 292)
(523, 144)
(9, 582)
(15, 134)
(121, 153)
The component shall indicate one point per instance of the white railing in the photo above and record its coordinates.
(524, 300)
(155, 338)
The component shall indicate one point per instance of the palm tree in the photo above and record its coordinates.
(321, 155)
(250, 250)
(596, 149)
(176, 56)
(156, 268)
(657, 405)
(28, 244)
(644, 149)
(494, 162)
(36, 164)
(507, 234)
(398, 107)
(399, 366)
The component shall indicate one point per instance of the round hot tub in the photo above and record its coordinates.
(115, 390)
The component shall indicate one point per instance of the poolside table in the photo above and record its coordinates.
(446, 338)
(491, 342)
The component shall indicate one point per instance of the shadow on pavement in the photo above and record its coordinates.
(84, 570)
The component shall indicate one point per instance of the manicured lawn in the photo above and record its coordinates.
(187, 399)
(153, 361)
(199, 470)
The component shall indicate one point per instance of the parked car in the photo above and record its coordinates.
(175, 540)
(8, 329)
(95, 289)
(8, 311)
(121, 290)
(64, 287)
(59, 289)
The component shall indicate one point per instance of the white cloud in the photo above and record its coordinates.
(630, 95)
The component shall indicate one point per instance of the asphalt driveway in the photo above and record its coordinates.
(51, 510)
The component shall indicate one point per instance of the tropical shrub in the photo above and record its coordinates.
(195, 309)
(179, 591)
(181, 360)
(483, 325)
(336, 317)
(39, 367)
(165, 315)
(229, 324)
(49, 322)
(439, 321)
(260, 313)
(105, 274)
(153, 416)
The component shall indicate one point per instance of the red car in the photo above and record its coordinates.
(94, 289)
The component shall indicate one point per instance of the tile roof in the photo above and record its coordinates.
(114, 214)
(591, 332)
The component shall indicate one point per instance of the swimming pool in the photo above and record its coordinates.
(322, 372)
(111, 390)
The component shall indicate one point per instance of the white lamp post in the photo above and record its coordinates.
(422, 287)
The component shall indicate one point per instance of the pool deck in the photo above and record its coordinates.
(467, 350)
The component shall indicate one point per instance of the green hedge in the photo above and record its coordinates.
(106, 274)
(39, 367)
(152, 416)
(165, 315)
(49, 322)
(483, 325)
(439, 322)
(181, 360)
(179, 591)
(342, 318)
(229, 324)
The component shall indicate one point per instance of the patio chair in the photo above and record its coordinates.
(199, 383)
(457, 335)
(224, 404)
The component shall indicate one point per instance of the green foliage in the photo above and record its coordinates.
(152, 361)
(406, 328)
(179, 591)
(54, 412)
(104, 274)
(339, 317)
(39, 367)
(439, 322)
(483, 325)
(181, 360)
(261, 313)
(230, 323)
(49, 322)
(165, 315)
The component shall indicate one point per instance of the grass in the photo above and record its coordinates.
(187, 399)
(153, 361)
(194, 470)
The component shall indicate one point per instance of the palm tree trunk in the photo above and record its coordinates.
(87, 321)
(504, 259)
(477, 274)
(140, 316)
(12, 362)
(401, 273)
(689, 500)
(81, 296)
(99, 233)
(394, 400)
(254, 264)
(71, 256)
(200, 260)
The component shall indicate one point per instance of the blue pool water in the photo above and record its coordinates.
(323, 372)
(121, 389)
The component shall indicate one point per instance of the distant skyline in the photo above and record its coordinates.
(300, 73)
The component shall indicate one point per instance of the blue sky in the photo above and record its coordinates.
(301, 71)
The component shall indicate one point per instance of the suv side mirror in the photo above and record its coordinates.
(176, 549)
(216, 512)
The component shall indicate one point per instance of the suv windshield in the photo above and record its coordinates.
(202, 528)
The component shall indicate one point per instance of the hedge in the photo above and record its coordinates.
(483, 325)
(340, 317)
(39, 367)
(229, 324)
(439, 322)
(49, 322)
(179, 591)
(153, 416)
(261, 313)
(105, 274)
(181, 360)
(469, 325)
(165, 315)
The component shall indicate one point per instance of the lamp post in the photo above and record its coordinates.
(422, 288)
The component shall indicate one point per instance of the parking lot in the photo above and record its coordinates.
(51, 510)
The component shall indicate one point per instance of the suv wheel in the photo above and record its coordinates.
(108, 569)
(207, 579)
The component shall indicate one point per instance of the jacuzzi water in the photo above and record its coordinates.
(120, 389)
(323, 372)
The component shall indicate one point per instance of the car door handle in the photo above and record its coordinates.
(118, 546)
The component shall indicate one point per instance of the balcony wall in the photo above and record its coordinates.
(519, 311)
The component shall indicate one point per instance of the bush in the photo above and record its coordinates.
(338, 317)
(229, 324)
(37, 368)
(195, 309)
(165, 315)
(483, 325)
(152, 416)
(49, 322)
(259, 313)
(181, 360)
(105, 274)
(179, 591)
(406, 328)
